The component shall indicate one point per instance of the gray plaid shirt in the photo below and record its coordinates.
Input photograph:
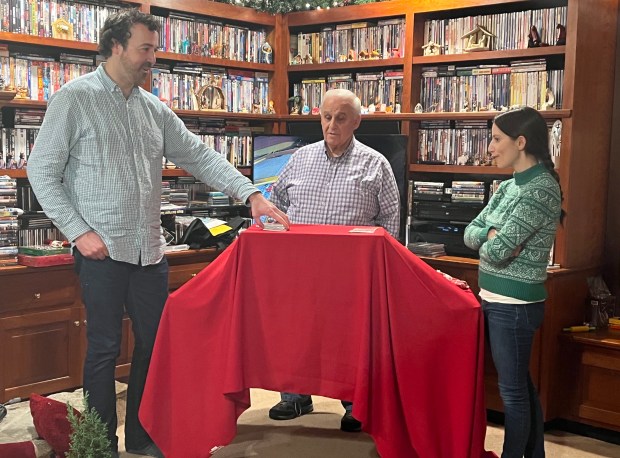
(96, 165)
(355, 189)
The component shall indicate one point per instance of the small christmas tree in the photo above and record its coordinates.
(89, 437)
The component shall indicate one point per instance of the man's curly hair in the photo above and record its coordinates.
(117, 28)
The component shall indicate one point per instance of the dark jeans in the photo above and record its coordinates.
(511, 329)
(108, 289)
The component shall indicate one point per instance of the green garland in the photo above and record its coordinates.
(288, 6)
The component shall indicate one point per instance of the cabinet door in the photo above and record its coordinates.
(179, 274)
(40, 353)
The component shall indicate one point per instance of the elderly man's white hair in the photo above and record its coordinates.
(346, 94)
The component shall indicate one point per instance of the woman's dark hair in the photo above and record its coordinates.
(530, 124)
(117, 28)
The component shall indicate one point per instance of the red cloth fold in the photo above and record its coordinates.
(320, 310)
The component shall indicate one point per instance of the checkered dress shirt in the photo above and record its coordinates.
(357, 188)
(97, 161)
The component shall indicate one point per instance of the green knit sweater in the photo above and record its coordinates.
(525, 212)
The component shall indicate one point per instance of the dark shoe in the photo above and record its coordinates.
(287, 410)
(149, 450)
(349, 424)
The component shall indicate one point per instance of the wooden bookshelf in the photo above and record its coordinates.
(584, 159)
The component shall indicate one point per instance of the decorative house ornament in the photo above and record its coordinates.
(431, 49)
(478, 39)
(297, 60)
(211, 98)
(61, 28)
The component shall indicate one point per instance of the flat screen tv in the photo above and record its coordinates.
(272, 152)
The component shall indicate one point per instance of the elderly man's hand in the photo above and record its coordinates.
(262, 207)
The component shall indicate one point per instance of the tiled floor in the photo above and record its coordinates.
(317, 435)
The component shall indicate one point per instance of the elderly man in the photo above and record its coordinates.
(336, 181)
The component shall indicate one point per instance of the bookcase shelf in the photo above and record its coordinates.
(481, 56)
(14, 173)
(349, 65)
(228, 63)
(169, 173)
(25, 39)
(474, 115)
(460, 169)
(215, 10)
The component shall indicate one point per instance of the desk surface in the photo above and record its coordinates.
(321, 310)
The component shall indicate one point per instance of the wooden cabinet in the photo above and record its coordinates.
(40, 327)
(593, 366)
(43, 325)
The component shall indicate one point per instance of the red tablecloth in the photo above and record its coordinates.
(320, 310)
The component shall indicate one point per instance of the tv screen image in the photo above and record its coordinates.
(272, 152)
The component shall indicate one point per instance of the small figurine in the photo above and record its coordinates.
(375, 54)
(256, 108)
(462, 159)
(556, 141)
(363, 55)
(342, 58)
(305, 110)
(397, 108)
(389, 109)
(478, 39)
(364, 110)
(549, 102)
(267, 53)
(418, 108)
(491, 106)
(395, 53)
(431, 49)
(297, 60)
(465, 107)
(372, 108)
(316, 110)
(560, 35)
(533, 40)
(271, 109)
(351, 55)
(308, 59)
(186, 46)
(294, 104)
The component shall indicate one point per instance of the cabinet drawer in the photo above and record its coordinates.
(38, 289)
(182, 273)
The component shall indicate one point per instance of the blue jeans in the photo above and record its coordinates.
(511, 329)
(108, 289)
(294, 397)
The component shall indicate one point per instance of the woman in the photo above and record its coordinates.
(514, 234)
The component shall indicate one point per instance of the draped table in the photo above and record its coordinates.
(326, 311)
